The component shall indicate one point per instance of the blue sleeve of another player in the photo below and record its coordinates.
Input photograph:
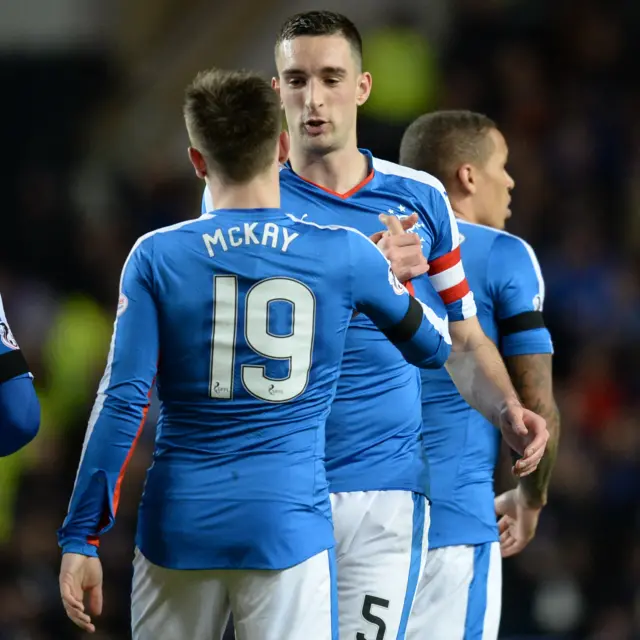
(517, 287)
(413, 327)
(19, 406)
(19, 414)
(119, 410)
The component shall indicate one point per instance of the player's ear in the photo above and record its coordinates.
(275, 84)
(198, 162)
(284, 145)
(467, 178)
(364, 88)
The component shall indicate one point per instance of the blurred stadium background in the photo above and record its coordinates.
(94, 154)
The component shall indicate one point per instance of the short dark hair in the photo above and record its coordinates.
(321, 23)
(233, 119)
(440, 142)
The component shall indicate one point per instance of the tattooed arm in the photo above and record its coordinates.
(532, 379)
(519, 509)
(525, 343)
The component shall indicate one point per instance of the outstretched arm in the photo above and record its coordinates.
(413, 327)
(482, 379)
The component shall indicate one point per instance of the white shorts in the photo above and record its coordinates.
(460, 595)
(299, 603)
(381, 549)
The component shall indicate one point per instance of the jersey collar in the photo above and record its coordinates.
(343, 196)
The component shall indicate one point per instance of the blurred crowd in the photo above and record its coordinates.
(560, 79)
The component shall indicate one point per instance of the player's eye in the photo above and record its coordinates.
(332, 81)
(295, 82)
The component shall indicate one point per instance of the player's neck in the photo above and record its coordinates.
(339, 171)
(260, 193)
(464, 213)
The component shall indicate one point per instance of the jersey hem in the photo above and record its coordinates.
(222, 566)
(462, 541)
(346, 487)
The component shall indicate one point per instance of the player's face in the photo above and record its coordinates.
(495, 184)
(321, 87)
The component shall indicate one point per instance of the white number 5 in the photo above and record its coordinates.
(297, 347)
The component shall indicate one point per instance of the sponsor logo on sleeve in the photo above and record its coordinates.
(396, 285)
(123, 303)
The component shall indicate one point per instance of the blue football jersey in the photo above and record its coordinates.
(462, 446)
(241, 318)
(373, 433)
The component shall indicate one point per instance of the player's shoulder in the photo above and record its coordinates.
(328, 231)
(396, 175)
(286, 175)
(502, 239)
(504, 247)
(337, 236)
(163, 237)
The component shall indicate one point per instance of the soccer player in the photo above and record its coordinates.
(19, 406)
(459, 596)
(376, 471)
(241, 315)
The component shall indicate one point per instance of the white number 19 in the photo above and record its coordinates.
(297, 347)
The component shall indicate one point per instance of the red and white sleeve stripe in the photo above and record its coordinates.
(447, 276)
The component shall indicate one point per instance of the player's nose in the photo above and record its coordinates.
(511, 183)
(313, 96)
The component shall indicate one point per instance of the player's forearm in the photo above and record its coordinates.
(430, 345)
(89, 512)
(480, 374)
(108, 448)
(532, 379)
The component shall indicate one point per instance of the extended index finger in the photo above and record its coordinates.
(393, 224)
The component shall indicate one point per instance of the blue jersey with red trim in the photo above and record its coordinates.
(242, 317)
(462, 446)
(373, 433)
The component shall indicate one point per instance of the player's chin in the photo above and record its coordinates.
(502, 223)
(319, 143)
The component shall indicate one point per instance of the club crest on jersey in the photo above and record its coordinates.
(402, 214)
(123, 303)
(396, 285)
(7, 337)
